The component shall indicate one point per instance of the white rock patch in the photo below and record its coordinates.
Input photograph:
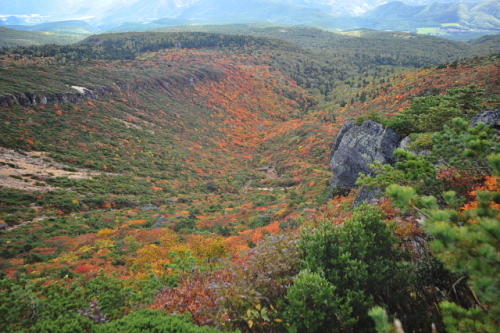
(80, 89)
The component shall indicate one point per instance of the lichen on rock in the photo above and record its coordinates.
(356, 147)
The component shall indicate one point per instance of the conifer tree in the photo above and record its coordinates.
(467, 242)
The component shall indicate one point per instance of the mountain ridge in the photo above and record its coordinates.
(481, 15)
(190, 9)
(456, 20)
(24, 7)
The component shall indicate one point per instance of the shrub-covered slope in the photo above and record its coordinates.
(159, 189)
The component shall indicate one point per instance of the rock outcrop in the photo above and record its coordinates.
(130, 203)
(159, 223)
(149, 207)
(36, 98)
(355, 148)
(212, 186)
(490, 117)
(167, 84)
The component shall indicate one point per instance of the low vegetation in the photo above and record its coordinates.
(210, 209)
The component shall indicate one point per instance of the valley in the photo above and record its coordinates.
(186, 170)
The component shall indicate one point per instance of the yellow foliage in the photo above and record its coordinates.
(72, 256)
(104, 244)
(156, 256)
(208, 248)
(169, 239)
(105, 233)
(85, 250)
(282, 212)
(179, 248)
(151, 254)
(131, 243)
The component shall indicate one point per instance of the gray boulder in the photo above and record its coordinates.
(149, 207)
(23, 100)
(42, 100)
(367, 195)
(160, 222)
(3, 101)
(61, 98)
(212, 186)
(491, 117)
(32, 97)
(358, 146)
(3, 226)
(130, 203)
(405, 143)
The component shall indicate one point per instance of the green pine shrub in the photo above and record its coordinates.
(314, 305)
(152, 321)
(347, 270)
(430, 113)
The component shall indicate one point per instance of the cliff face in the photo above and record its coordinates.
(358, 146)
(34, 98)
(39, 98)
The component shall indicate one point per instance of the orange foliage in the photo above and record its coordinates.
(490, 184)
(273, 228)
(105, 233)
(137, 222)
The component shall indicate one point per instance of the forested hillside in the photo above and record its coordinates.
(371, 41)
(11, 37)
(332, 66)
(146, 174)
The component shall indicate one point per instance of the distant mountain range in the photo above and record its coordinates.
(174, 8)
(70, 26)
(447, 18)
(478, 15)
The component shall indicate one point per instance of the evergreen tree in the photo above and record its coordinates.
(348, 269)
(467, 242)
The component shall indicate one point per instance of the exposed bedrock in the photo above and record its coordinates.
(355, 148)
